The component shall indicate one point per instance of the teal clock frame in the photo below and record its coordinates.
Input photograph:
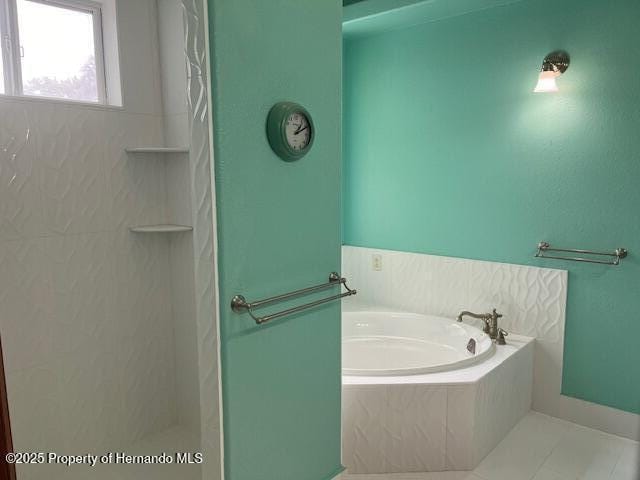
(276, 130)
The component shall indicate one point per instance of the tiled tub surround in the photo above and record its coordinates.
(533, 301)
(439, 421)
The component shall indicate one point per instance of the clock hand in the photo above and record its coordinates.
(300, 130)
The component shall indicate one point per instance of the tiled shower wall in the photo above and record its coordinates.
(202, 189)
(190, 201)
(85, 306)
(173, 68)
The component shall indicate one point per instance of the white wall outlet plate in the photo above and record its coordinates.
(376, 262)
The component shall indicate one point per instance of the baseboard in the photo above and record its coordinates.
(599, 417)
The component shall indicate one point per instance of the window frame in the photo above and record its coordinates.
(11, 48)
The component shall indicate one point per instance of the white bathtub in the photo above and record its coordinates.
(388, 343)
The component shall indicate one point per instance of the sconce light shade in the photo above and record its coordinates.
(554, 65)
(546, 83)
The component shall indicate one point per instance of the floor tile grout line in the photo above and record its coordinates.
(615, 465)
(544, 461)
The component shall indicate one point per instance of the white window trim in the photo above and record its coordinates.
(11, 54)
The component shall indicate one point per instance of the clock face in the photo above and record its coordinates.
(298, 131)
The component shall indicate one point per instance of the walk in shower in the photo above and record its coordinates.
(107, 275)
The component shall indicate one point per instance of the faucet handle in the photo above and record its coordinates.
(500, 339)
(496, 314)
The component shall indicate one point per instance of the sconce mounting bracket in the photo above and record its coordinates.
(557, 61)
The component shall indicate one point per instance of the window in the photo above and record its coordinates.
(53, 49)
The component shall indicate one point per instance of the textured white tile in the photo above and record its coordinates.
(212, 463)
(176, 130)
(459, 423)
(503, 397)
(25, 304)
(141, 266)
(374, 287)
(397, 428)
(148, 372)
(460, 446)
(81, 286)
(523, 451)
(91, 389)
(71, 160)
(173, 60)
(36, 399)
(363, 424)
(135, 183)
(139, 60)
(530, 298)
(178, 190)
(185, 330)
(202, 202)
(429, 284)
(20, 200)
(585, 454)
(416, 427)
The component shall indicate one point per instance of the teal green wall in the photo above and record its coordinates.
(278, 230)
(448, 152)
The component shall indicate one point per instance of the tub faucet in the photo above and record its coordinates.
(490, 322)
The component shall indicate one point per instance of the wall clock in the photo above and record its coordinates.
(290, 130)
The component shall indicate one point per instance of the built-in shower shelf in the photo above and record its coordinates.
(168, 228)
(154, 150)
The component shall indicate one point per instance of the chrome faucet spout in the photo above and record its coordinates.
(480, 316)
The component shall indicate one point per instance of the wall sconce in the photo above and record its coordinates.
(554, 65)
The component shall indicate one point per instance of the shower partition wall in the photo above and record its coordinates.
(110, 337)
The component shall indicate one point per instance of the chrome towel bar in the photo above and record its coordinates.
(239, 303)
(618, 254)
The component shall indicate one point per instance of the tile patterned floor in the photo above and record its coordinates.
(545, 448)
